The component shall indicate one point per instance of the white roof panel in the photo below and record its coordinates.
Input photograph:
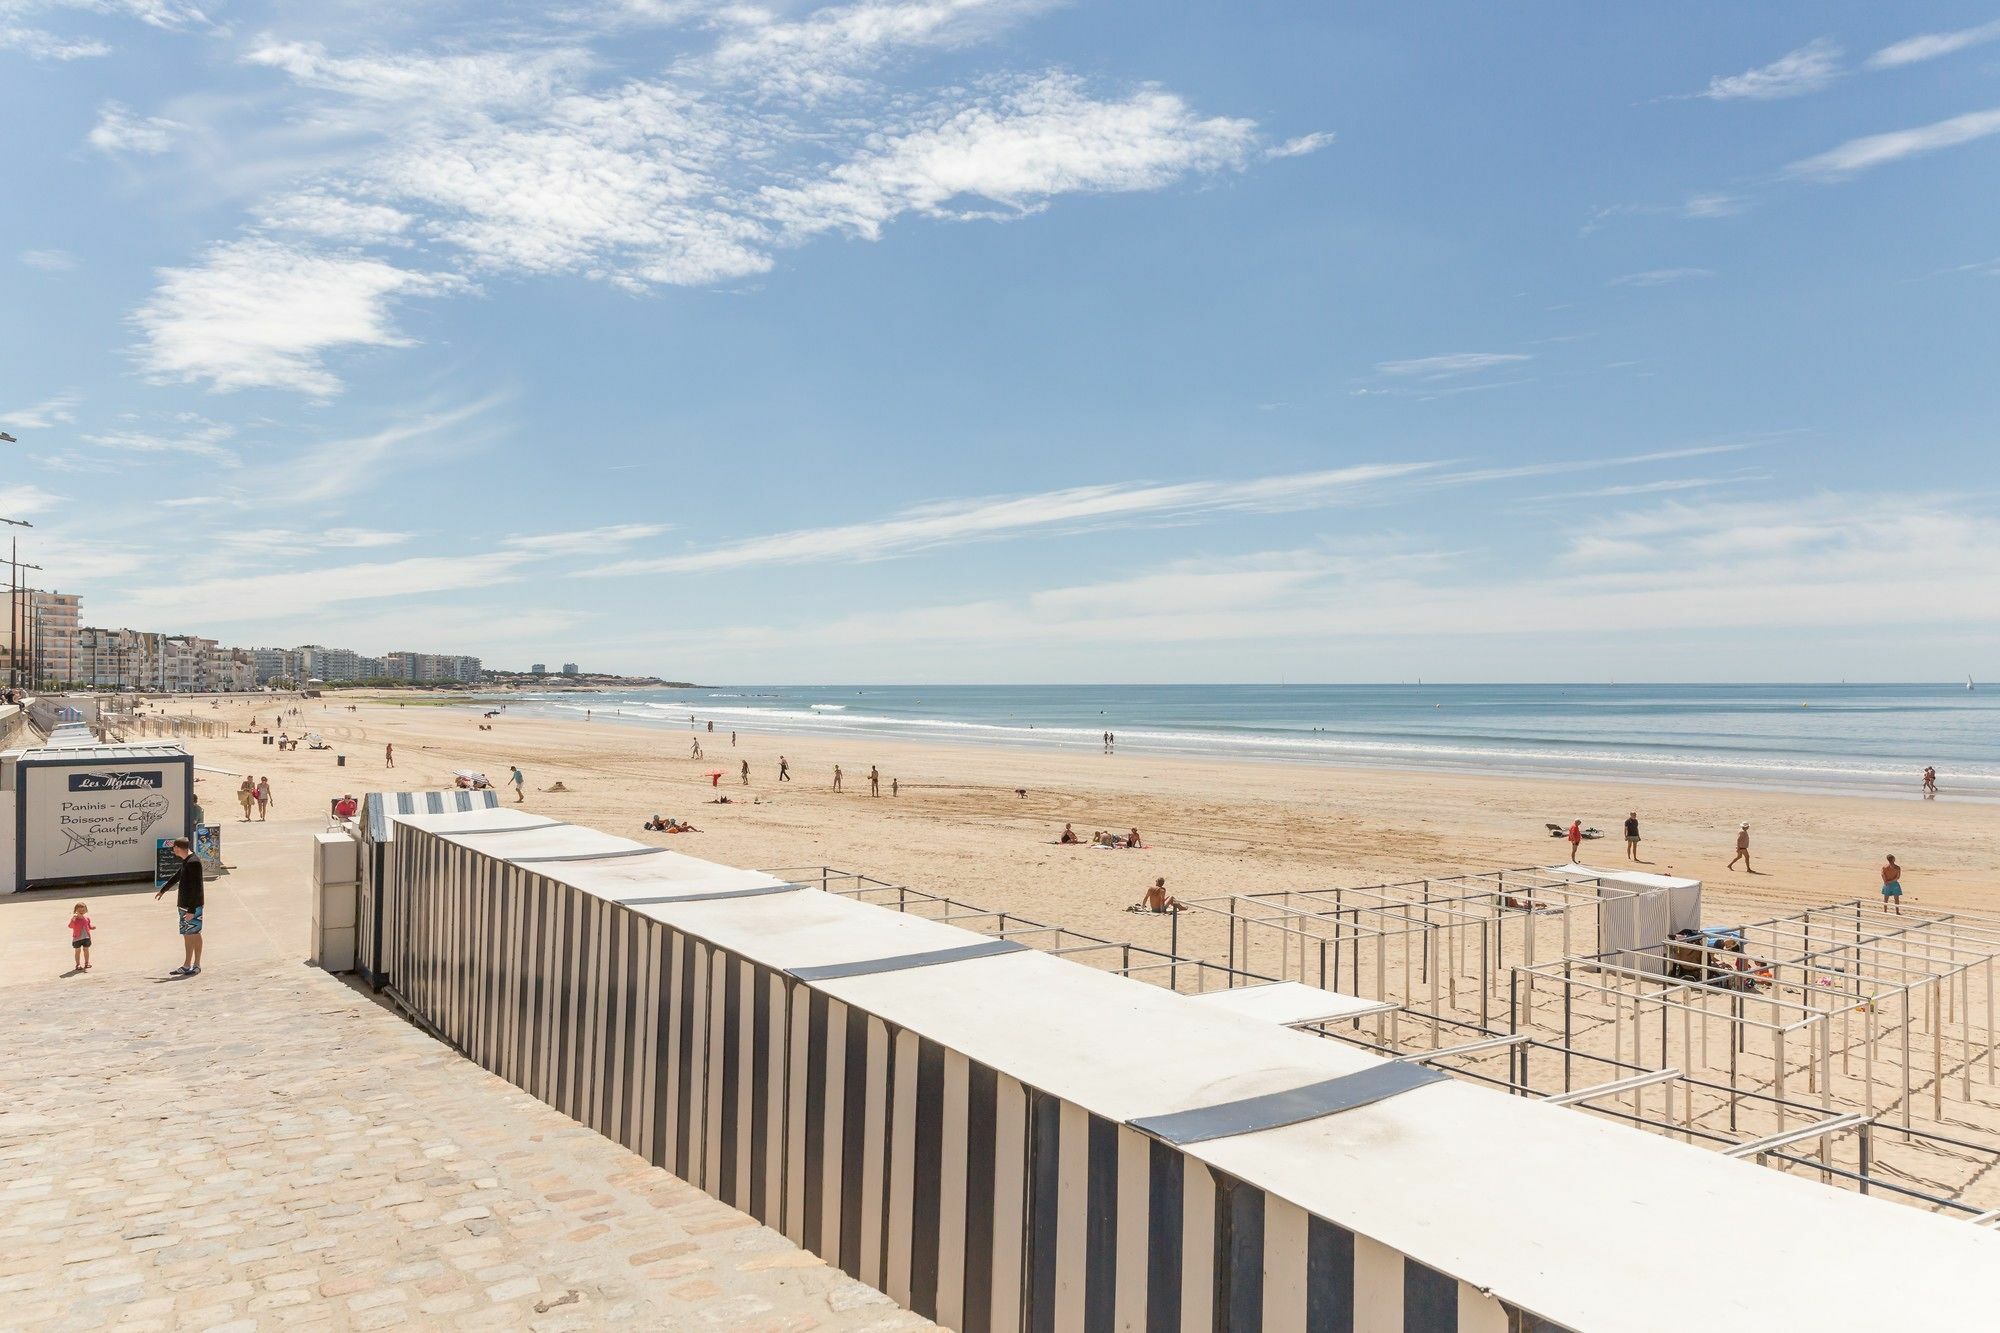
(1290, 1003)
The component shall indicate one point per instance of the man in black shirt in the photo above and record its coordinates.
(189, 900)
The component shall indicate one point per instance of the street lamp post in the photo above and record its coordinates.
(14, 603)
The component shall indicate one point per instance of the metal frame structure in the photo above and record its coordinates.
(1453, 1010)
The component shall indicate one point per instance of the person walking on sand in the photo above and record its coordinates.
(79, 935)
(784, 769)
(836, 777)
(1930, 783)
(1892, 887)
(895, 786)
(389, 755)
(874, 781)
(746, 772)
(247, 796)
(1742, 849)
(694, 751)
(264, 801)
(1575, 836)
(515, 777)
(1632, 836)
(732, 740)
(188, 901)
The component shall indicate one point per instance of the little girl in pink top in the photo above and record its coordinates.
(79, 935)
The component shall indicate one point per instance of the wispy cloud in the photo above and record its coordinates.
(21, 501)
(1711, 206)
(236, 597)
(294, 542)
(1075, 509)
(331, 469)
(191, 435)
(1806, 562)
(1300, 146)
(1931, 45)
(56, 410)
(1449, 365)
(119, 131)
(820, 55)
(586, 541)
(1660, 277)
(1794, 74)
(1874, 150)
(49, 261)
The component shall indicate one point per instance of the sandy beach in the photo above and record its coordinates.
(961, 825)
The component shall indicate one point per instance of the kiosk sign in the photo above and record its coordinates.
(82, 820)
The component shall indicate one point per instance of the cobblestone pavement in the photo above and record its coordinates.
(265, 1147)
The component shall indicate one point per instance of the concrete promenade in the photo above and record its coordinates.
(265, 1147)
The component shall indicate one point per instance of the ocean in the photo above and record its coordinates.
(1817, 737)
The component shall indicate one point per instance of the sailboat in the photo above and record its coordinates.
(1968, 682)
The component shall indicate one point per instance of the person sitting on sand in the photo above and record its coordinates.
(1068, 838)
(1157, 899)
(1132, 839)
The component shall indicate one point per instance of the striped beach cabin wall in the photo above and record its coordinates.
(377, 829)
(999, 1139)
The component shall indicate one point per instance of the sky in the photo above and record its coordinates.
(1015, 340)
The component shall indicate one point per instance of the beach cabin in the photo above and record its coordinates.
(1633, 925)
(1002, 1139)
(374, 908)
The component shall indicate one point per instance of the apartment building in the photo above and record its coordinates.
(38, 636)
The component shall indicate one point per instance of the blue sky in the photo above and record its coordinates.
(998, 340)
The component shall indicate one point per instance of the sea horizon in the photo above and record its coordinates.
(1859, 738)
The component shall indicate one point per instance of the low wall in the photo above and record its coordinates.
(979, 1134)
(13, 726)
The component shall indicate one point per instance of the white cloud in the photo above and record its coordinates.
(258, 314)
(56, 410)
(1041, 140)
(20, 501)
(317, 213)
(817, 56)
(291, 542)
(535, 159)
(1449, 365)
(49, 261)
(1660, 277)
(1300, 146)
(42, 45)
(1806, 70)
(443, 82)
(16, 34)
(1931, 45)
(586, 541)
(1075, 509)
(1876, 150)
(119, 131)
